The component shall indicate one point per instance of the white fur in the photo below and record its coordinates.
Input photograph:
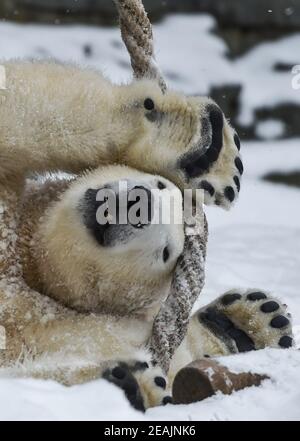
(83, 308)
(68, 118)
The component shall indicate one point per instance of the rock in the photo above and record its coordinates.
(202, 379)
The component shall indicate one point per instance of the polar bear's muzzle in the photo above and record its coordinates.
(134, 217)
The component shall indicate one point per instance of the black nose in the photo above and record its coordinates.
(144, 199)
(140, 216)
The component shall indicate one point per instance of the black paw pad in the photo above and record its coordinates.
(254, 296)
(279, 322)
(237, 141)
(229, 193)
(140, 366)
(167, 400)
(228, 299)
(285, 342)
(206, 186)
(269, 307)
(243, 342)
(237, 183)
(118, 373)
(212, 154)
(217, 122)
(149, 104)
(160, 382)
(215, 319)
(202, 163)
(239, 165)
(195, 165)
(226, 330)
(122, 377)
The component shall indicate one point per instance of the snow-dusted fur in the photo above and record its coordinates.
(44, 241)
(73, 310)
(48, 253)
(76, 119)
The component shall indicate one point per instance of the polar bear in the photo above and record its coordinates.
(49, 107)
(78, 299)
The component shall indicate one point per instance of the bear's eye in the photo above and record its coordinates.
(166, 254)
(161, 185)
(149, 104)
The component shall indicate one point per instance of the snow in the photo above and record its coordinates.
(177, 39)
(45, 400)
(256, 244)
(270, 129)
(276, 399)
(262, 86)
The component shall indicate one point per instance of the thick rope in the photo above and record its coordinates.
(136, 31)
(171, 323)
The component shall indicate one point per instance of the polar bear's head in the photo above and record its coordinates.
(91, 264)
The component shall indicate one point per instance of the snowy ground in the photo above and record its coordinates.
(190, 55)
(254, 245)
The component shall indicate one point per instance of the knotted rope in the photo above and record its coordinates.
(136, 31)
(170, 325)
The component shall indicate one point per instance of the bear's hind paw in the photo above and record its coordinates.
(248, 321)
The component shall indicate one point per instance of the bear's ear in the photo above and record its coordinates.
(136, 31)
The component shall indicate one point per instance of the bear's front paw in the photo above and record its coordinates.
(121, 375)
(214, 164)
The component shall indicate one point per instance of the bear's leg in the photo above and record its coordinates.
(78, 349)
(47, 341)
(235, 322)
